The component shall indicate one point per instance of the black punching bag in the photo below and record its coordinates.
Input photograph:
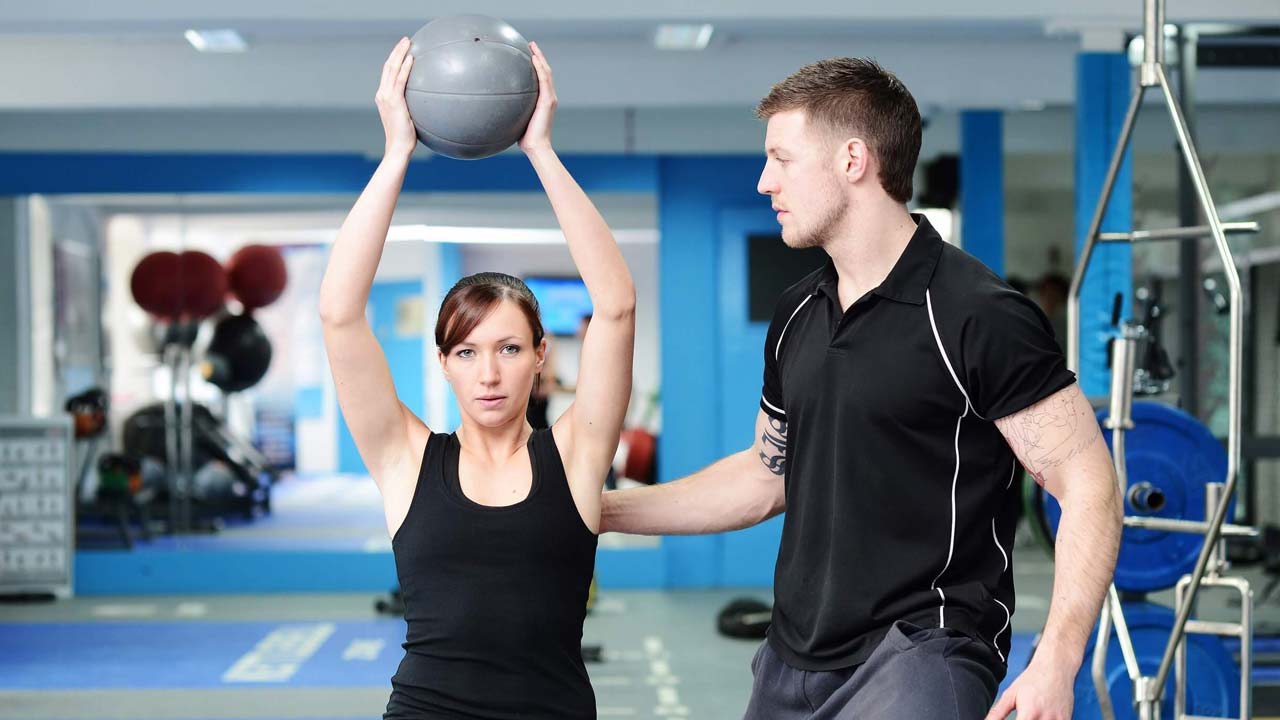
(238, 355)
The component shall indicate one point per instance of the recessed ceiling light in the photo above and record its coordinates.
(683, 37)
(225, 41)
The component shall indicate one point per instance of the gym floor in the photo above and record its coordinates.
(331, 655)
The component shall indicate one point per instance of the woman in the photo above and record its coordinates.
(493, 527)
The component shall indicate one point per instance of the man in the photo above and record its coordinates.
(903, 384)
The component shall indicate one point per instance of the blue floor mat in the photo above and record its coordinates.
(45, 656)
(157, 655)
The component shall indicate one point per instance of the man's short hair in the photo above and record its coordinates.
(856, 97)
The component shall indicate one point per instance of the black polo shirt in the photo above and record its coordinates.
(900, 503)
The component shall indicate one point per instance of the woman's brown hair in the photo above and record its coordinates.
(471, 300)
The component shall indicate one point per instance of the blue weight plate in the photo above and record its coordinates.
(1213, 679)
(1177, 454)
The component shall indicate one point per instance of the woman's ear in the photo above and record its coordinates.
(443, 365)
(542, 353)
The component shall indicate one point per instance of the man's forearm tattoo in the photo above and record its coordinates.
(774, 444)
(1050, 433)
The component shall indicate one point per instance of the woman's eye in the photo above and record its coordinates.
(465, 353)
(511, 349)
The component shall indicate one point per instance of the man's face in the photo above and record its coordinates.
(801, 177)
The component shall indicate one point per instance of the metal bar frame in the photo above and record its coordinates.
(172, 441)
(1243, 630)
(1148, 690)
(1181, 233)
(1189, 294)
(1195, 527)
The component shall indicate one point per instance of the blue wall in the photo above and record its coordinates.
(23, 173)
(404, 358)
(1104, 85)
(982, 186)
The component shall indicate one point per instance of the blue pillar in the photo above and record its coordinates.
(1104, 86)
(982, 186)
(693, 193)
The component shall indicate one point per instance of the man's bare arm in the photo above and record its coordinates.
(738, 491)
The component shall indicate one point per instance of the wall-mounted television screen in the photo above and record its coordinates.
(563, 301)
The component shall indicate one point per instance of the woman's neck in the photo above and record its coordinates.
(494, 444)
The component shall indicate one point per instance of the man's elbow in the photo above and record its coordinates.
(1093, 490)
(769, 499)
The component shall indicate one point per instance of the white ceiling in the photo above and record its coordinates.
(177, 12)
(118, 76)
(89, 54)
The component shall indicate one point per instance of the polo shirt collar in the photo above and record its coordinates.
(910, 276)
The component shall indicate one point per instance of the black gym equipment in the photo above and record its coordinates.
(232, 478)
(941, 182)
(745, 618)
(89, 418)
(239, 354)
(119, 499)
(392, 604)
(1154, 372)
(88, 412)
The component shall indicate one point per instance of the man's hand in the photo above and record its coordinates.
(1044, 691)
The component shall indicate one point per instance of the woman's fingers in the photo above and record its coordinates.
(402, 80)
(391, 68)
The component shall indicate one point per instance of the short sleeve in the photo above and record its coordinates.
(771, 398)
(1010, 359)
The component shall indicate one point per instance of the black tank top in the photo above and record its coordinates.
(494, 596)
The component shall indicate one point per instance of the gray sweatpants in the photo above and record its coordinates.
(913, 674)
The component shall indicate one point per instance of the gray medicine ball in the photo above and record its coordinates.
(472, 87)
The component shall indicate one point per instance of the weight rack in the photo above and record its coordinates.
(1211, 563)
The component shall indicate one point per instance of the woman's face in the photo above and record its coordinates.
(492, 371)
